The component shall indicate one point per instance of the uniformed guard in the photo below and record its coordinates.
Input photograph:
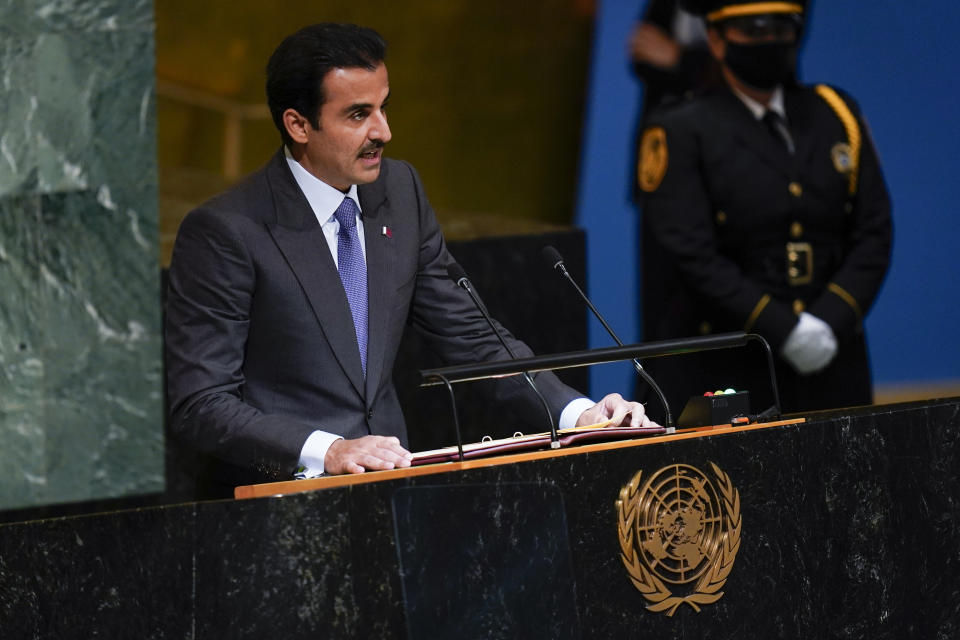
(764, 210)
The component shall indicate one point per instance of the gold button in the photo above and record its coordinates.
(705, 328)
(796, 229)
(798, 306)
(721, 217)
(795, 189)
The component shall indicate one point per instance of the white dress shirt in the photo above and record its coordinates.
(758, 109)
(324, 200)
(776, 105)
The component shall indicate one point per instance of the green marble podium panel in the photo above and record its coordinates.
(80, 356)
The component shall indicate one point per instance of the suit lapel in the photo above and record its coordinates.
(300, 239)
(753, 134)
(380, 250)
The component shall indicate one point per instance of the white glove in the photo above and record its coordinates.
(811, 346)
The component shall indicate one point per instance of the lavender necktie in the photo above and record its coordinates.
(353, 272)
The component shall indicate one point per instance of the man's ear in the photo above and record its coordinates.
(296, 125)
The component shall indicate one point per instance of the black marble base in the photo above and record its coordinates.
(515, 581)
(850, 528)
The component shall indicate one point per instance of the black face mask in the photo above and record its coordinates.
(762, 66)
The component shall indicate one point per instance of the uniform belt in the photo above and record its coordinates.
(799, 256)
(813, 264)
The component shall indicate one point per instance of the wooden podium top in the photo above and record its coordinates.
(329, 482)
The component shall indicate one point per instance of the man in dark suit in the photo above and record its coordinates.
(768, 212)
(289, 292)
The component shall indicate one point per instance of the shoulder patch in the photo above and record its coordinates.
(842, 156)
(653, 159)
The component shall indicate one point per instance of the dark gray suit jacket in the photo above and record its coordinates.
(260, 345)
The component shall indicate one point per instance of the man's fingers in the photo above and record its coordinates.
(617, 408)
(383, 454)
(594, 415)
(376, 461)
(614, 408)
(619, 413)
(367, 453)
(392, 446)
(633, 409)
(638, 415)
(388, 458)
(353, 467)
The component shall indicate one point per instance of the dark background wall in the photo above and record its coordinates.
(486, 101)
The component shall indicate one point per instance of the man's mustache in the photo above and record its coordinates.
(373, 145)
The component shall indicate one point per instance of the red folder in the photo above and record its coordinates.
(533, 442)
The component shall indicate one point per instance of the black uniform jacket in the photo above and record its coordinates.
(740, 234)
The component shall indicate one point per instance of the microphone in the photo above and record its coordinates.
(458, 275)
(555, 261)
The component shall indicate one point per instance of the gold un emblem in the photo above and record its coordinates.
(679, 535)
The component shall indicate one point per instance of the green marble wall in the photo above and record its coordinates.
(80, 356)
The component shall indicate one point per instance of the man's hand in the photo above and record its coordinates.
(375, 453)
(649, 44)
(620, 413)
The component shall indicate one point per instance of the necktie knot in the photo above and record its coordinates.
(346, 214)
(778, 127)
(772, 118)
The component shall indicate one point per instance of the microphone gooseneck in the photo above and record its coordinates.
(554, 260)
(459, 276)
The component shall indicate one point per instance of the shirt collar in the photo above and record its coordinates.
(757, 109)
(323, 199)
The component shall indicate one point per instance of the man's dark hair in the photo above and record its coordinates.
(296, 69)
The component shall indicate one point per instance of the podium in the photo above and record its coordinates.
(829, 525)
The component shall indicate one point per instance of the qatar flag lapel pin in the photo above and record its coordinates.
(385, 231)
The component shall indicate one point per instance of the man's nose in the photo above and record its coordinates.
(380, 130)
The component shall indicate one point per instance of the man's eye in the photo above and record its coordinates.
(358, 115)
